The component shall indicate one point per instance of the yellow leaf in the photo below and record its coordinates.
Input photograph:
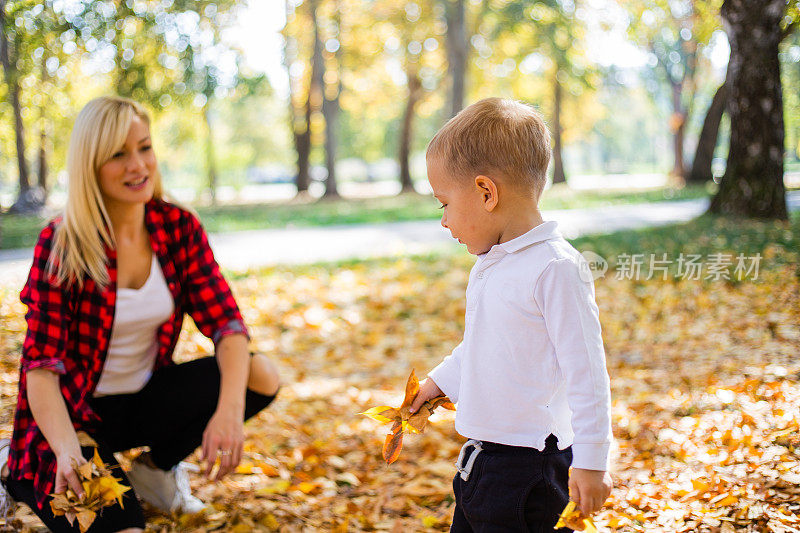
(275, 488)
(245, 468)
(270, 521)
(111, 489)
(307, 487)
(430, 521)
(383, 414)
(573, 518)
(89, 489)
(98, 461)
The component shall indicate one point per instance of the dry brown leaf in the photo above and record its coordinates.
(100, 489)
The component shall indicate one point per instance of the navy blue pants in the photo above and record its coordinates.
(513, 488)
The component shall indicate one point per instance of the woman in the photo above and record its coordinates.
(106, 296)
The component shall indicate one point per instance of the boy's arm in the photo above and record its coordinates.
(573, 325)
(444, 379)
(447, 375)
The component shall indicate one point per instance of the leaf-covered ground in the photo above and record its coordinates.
(705, 386)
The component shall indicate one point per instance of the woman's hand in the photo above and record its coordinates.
(66, 475)
(224, 436)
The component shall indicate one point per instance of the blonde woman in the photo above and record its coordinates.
(110, 283)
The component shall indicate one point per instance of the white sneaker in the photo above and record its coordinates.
(7, 504)
(167, 490)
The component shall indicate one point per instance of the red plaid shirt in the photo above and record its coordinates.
(69, 329)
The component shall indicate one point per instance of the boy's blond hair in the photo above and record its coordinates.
(495, 135)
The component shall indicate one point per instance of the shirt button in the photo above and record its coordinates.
(480, 274)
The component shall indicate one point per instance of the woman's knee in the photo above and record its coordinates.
(264, 377)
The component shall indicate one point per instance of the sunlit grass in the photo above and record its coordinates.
(21, 231)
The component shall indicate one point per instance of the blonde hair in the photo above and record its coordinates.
(85, 228)
(495, 135)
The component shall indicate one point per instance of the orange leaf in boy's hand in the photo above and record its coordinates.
(403, 420)
(412, 389)
(393, 445)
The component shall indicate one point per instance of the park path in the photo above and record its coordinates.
(242, 250)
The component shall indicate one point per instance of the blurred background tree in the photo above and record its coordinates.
(753, 182)
(628, 88)
(675, 34)
(549, 30)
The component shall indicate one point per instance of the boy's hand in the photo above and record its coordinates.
(589, 489)
(427, 391)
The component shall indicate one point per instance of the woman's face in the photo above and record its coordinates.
(127, 178)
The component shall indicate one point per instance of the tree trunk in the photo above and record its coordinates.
(315, 99)
(558, 163)
(211, 165)
(301, 121)
(678, 126)
(42, 159)
(455, 13)
(19, 132)
(302, 141)
(330, 110)
(753, 182)
(300, 117)
(406, 134)
(704, 155)
(24, 202)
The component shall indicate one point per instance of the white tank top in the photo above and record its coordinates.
(132, 350)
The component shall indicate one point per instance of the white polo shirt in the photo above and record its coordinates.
(532, 361)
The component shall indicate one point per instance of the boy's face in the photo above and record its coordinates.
(464, 210)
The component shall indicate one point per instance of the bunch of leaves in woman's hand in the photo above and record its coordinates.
(573, 518)
(403, 420)
(100, 489)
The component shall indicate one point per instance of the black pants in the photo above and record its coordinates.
(513, 489)
(169, 415)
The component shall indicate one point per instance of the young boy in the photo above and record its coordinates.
(529, 376)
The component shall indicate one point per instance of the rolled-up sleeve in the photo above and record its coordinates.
(572, 320)
(45, 343)
(209, 300)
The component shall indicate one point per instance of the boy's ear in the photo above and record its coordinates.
(488, 189)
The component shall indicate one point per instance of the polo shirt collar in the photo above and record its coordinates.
(542, 232)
